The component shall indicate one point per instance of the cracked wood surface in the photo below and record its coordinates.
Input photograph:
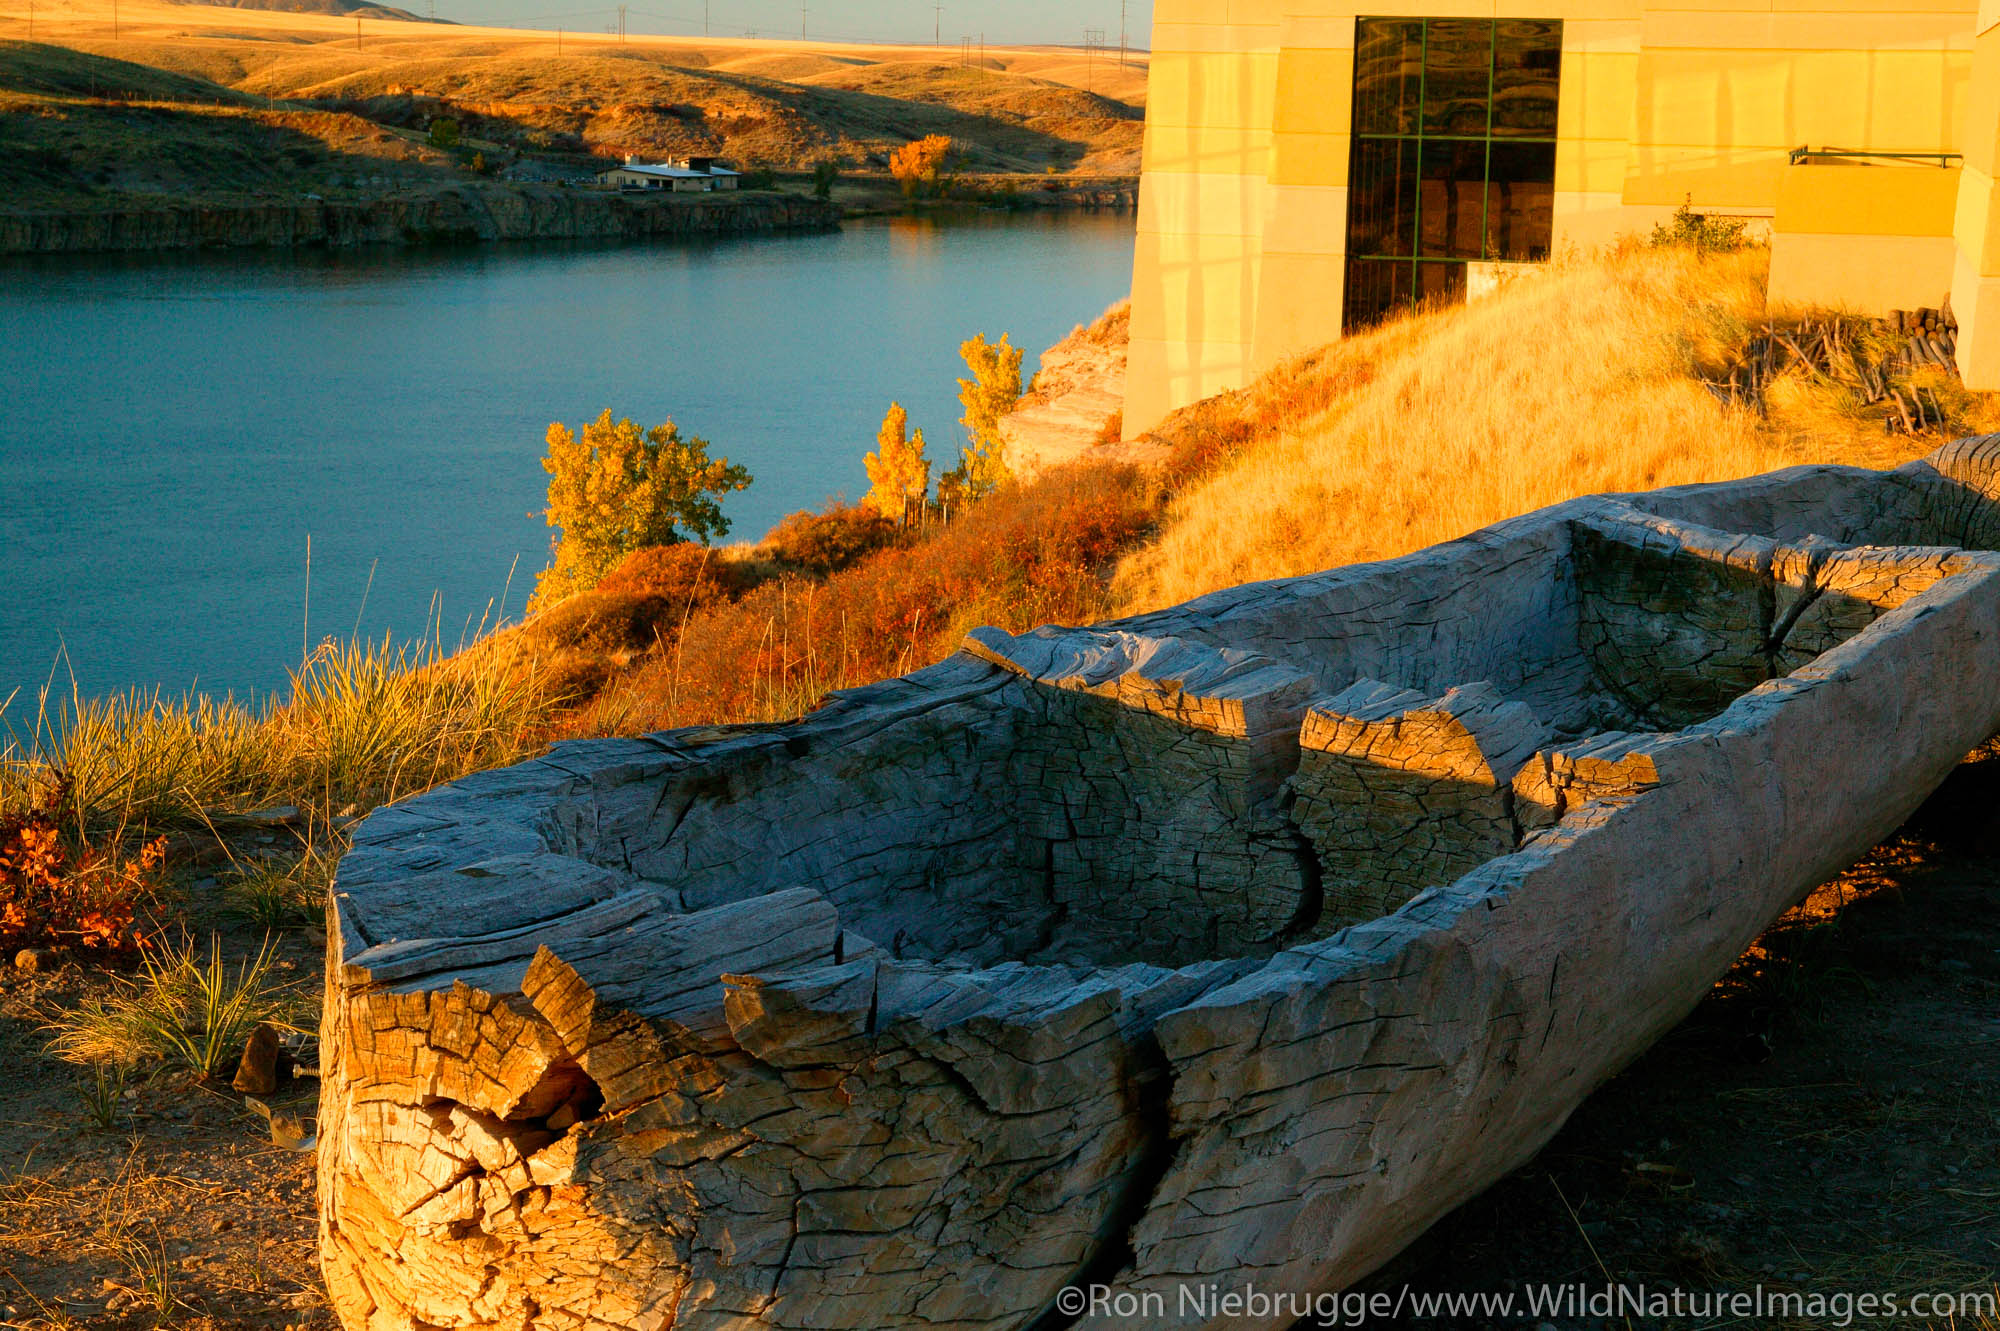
(1234, 943)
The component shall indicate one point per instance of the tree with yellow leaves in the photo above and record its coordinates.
(898, 471)
(617, 488)
(919, 166)
(993, 390)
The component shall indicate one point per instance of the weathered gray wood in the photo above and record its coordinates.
(1232, 944)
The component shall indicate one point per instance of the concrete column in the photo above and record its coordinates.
(1975, 284)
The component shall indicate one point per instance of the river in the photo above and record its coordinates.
(173, 429)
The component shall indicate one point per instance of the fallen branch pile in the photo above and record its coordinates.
(1875, 357)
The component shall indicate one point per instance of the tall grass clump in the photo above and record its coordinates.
(361, 723)
(1578, 379)
(180, 1009)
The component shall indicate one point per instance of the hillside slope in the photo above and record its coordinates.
(582, 97)
(1586, 378)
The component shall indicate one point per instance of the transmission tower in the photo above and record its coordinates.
(1123, 5)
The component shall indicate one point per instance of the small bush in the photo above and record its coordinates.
(180, 1010)
(1034, 554)
(1698, 231)
(444, 133)
(57, 893)
(825, 173)
(683, 573)
(835, 538)
(761, 178)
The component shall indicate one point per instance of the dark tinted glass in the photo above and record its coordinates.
(1442, 282)
(1458, 56)
(1521, 203)
(1452, 199)
(1374, 287)
(1388, 69)
(1527, 67)
(1382, 196)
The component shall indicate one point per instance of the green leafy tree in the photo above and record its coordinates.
(993, 390)
(444, 132)
(825, 172)
(898, 471)
(616, 488)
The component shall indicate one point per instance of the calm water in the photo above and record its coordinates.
(173, 429)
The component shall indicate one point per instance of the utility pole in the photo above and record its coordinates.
(937, 30)
(1122, 6)
(114, 20)
(357, 32)
(621, 25)
(802, 22)
(31, 20)
(982, 50)
(558, 41)
(704, 18)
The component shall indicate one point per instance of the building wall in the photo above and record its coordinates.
(1243, 206)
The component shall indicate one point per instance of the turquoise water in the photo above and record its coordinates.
(173, 429)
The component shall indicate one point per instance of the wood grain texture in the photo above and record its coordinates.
(1232, 944)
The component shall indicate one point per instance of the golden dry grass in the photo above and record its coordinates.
(765, 103)
(1578, 380)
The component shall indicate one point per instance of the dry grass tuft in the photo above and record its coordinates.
(1580, 380)
(363, 724)
(180, 1010)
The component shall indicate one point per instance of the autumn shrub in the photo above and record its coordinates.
(922, 166)
(836, 537)
(58, 891)
(1033, 554)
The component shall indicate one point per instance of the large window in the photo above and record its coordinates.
(1454, 154)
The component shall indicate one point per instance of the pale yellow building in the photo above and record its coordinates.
(1308, 167)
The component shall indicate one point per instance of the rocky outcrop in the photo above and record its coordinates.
(1224, 947)
(1077, 399)
(454, 216)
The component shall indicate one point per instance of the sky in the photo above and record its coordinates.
(1012, 22)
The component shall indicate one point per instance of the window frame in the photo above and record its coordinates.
(1419, 135)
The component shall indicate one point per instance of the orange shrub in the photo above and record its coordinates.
(683, 573)
(53, 893)
(828, 541)
(920, 165)
(1032, 554)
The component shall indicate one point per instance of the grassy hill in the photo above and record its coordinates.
(236, 102)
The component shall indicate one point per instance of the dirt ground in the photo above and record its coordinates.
(1828, 1120)
(183, 1213)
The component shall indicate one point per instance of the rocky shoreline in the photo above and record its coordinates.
(455, 216)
